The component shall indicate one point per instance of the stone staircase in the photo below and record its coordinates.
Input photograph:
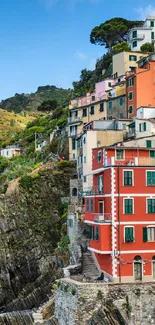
(89, 268)
(38, 317)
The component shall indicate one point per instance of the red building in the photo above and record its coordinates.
(120, 213)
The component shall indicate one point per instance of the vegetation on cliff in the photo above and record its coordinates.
(30, 102)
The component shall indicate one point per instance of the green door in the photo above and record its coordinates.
(138, 271)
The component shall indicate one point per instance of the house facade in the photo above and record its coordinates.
(138, 82)
(125, 61)
(143, 34)
(120, 213)
(10, 151)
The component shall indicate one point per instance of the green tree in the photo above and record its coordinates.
(112, 31)
(147, 47)
(49, 105)
(121, 47)
(82, 86)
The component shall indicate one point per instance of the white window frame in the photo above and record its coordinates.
(150, 241)
(133, 234)
(133, 208)
(149, 170)
(129, 94)
(116, 154)
(148, 198)
(128, 170)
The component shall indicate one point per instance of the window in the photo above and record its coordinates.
(148, 234)
(99, 156)
(130, 95)
(134, 34)
(87, 205)
(152, 35)
(152, 23)
(150, 205)
(148, 143)
(91, 205)
(100, 184)
(73, 144)
(134, 44)
(74, 191)
(109, 105)
(121, 101)
(128, 178)
(70, 223)
(100, 207)
(124, 126)
(92, 110)
(119, 154)
(132, 57)
(150, 178)
(142, 127)
(84, 113)
(101, 107)
(93, 97)
(119, 80)
(152, 153)
(93, 232)
(128, 206)
(85, 160)
(129, 235)
(130, 109)
(121, 115)
(84, 179)
(84, 140)
(130, 82)
(109, 84)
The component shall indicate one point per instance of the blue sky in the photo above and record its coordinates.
(47, 41)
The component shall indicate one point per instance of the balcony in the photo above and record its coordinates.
(76, 119)
(102, 218)
(89, 191)
(129, 161)
(139, 37)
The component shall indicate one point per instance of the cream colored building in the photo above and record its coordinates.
(125, 61)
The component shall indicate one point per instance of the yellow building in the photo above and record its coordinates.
(125, 61)
(80, 115)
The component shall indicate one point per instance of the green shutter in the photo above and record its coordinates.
(152, 35)
(148, 178)
(97, 233)
(129, 235)
(140, 128)
(152, 153)
(128, 206)
(90, 232)
(144, 126)
(148, 144)
(93, 233)
(145, 235)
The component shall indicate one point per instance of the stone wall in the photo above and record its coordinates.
(77, 303)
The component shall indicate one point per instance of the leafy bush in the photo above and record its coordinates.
(26, 182)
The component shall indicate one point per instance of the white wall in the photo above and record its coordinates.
(7, 153)
(150, 128)
(91, 142)
(146, 112)
(139, 142)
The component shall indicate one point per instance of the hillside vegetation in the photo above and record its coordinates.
(30, 102)
(11, 124)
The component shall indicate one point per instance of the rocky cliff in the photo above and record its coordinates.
(31, 225)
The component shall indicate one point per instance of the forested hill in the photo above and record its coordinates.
(30, 102)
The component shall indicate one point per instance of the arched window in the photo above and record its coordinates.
(137, 258)
(74, 191)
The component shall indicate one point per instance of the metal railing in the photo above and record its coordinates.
(74, 119)
(93, 191)
(102, 218)
(129, 161)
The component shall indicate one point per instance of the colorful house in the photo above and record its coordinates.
(140, 88)
(120, 212)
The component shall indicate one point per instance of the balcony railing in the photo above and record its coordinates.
(102, 218)
(92, 191)
(74, 120)
(139, 37)
(129, 161)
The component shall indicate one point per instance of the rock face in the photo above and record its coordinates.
(105, 303)
(30, 228)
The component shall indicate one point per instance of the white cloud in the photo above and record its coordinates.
(143, 12)
(81, 55)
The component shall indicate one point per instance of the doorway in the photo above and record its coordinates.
(138, 268)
